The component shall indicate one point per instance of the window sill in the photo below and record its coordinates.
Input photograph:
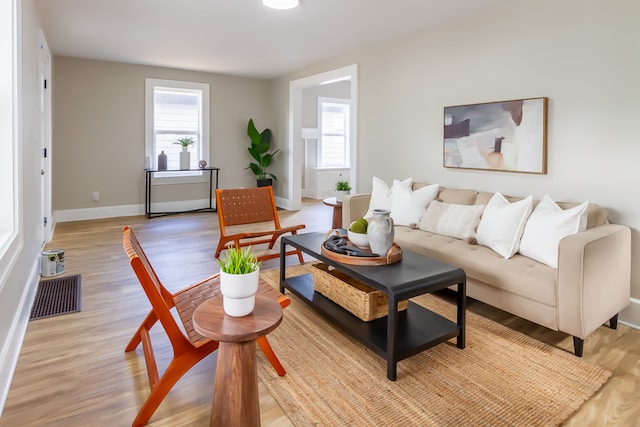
(178, 176)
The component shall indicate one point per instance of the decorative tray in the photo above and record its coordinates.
(393, 255)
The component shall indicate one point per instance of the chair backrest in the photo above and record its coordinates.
(246, 206)
(160, 298)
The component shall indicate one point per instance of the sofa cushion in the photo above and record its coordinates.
(381, 195)
(459, 197)
(502, 224)
(518, 275)
(408, 206)
(459, 221)
(546, 226)
(596, 215)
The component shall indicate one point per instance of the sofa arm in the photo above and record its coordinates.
(594, 278)
(354, 206)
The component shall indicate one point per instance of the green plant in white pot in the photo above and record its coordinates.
(185, 156)
(239, 278)
(342, 189)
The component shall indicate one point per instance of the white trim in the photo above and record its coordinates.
(11, 237)
(44, 71)
(10, 351)
(631, 314)
(350, 72)
(126, 210)
(281, 202)
(150, 85)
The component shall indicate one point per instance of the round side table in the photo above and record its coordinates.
(235, 392)
(337, 211)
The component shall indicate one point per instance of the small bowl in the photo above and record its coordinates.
(361, 240)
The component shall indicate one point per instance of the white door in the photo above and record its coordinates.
(44, 135)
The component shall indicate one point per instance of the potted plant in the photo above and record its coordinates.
(342, 188)
(239, 278)
(259, 150)
(185, 156)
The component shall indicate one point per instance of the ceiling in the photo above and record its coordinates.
(238, 37)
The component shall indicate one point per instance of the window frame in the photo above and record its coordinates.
(11, 238)
(173, 177)
(347, 129)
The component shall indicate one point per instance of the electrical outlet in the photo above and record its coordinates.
(96, 196)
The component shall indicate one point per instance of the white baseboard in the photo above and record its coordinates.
(282, 202)
(11, 350)
(126, 210)
(630, 316)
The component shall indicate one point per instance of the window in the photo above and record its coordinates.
(10, 239)
(333, 120)
(176, 110)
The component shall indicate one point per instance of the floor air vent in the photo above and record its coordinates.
(57, 296)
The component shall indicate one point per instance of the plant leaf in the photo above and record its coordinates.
(253, 133)
(265, 136)
(255, 154)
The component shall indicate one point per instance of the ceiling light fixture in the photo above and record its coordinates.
(281, 4)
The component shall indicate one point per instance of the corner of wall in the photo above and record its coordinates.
(630, 316)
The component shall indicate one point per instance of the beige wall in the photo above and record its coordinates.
(99, 139)
(310, 100)
(581, 54)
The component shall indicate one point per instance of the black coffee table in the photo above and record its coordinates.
(410, 331)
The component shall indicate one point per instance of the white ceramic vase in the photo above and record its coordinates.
(185, 158)
(239, 292)
(380, 232)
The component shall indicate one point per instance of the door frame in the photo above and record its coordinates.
(44, 135)
(296, 147)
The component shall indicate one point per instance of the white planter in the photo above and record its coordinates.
(239, 292)
(340, 194)
(185, 158)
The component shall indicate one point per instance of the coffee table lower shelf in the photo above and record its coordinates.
(418, 328)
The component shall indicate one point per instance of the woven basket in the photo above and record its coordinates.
(361, 300)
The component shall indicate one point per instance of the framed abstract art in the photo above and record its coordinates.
(509, 136)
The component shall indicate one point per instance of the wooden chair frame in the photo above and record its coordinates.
(187, 350)
(251, 206)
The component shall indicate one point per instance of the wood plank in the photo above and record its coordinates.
(73, 371)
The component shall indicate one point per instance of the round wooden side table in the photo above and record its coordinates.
(235, 392)
(337, 211)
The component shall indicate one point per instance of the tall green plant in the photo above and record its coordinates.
(259, 150)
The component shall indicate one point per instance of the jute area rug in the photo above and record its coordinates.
(501, 378)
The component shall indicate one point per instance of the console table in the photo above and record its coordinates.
(148, 186)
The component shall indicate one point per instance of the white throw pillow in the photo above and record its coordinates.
(502, 224)
(381, 195)
(448, 219)
(547, 225)
(408, 206)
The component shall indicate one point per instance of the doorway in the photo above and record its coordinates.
(296, 140)
(44, 137)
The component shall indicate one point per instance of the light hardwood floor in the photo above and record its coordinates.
(73, 371)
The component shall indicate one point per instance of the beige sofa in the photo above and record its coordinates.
(590, 286)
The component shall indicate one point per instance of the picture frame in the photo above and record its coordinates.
(506, 136)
